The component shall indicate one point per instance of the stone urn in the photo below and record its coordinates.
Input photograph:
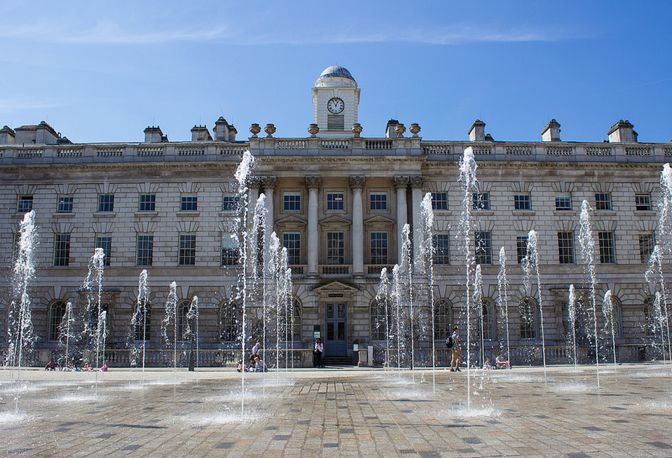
(399, 129)
(313, 130)
(357, 129)
(270, 130)
(255, 129)
(415, 129)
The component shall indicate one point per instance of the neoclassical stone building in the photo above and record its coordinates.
(338, 200)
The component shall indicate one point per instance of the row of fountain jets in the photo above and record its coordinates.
(266, 280)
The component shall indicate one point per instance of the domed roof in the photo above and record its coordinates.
(335, 76)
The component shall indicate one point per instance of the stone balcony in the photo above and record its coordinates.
(317, 147)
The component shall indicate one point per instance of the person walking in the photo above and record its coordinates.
(455, 349)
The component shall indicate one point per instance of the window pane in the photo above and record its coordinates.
(521, 247)
(563, 202)
(480, 201)
(335, 248)
(189, 203)
(230, 202)
(440, 201)
(378, 201)
(105, 242)
(646, 244)
(607, 248)
(603, 201)
(64, 204)
(25, 204)
(147, 203)
(292, 241)
(230, 250)
(522, 202)
(187, 254)
(145, 250)
(291, 201)
(378, 247)
(441, 244)
(483, 242)
(566, 247)
(643, 201)
(105, 202)
(335, 201)
(61, 249)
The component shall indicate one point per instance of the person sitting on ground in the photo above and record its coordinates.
(240, 366)
(51, 366)
(501, 363)
(61, 363)
(87, 368)
(255, 349)
(104, 367)
(487, 365)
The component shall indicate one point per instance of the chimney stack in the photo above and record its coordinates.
(224, 132)
(7, 136)
(551, 132)
(477, 131)
(200, 134)
(153, 134)
(622, 132)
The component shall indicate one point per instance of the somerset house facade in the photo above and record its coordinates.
(338, 200)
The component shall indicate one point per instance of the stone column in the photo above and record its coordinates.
(401, 183)
(313, 184)
(416, 197)
(357, 184)
(269, 186)
(253, 184)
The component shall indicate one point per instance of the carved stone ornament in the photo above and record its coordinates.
(357, 129)
(416, 182)
(357, 182)
(313, 182)
(399, 129)
(415, 129)
(269, 182)
(313, 129)
(270, 130)
(401, 181)
(255, 129)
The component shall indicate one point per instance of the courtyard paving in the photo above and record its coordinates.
(343, 412)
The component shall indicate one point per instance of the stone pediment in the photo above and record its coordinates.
(335, 289)
(335, 220)
(291, 219)
(379, 219)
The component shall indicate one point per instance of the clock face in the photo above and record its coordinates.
(335, 105)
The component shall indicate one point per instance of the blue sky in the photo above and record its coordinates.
(104, 70)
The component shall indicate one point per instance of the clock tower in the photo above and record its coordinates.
(335, 103)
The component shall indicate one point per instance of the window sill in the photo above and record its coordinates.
(523, 213)
(483, 212)
(188, 213)
(104, 214)
(227, 213)
(645, 212)
(569, 212)
(146, 213)
(63, 215)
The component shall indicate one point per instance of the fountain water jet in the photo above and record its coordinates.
(427, 252)
(170, 317)
(407, 269)
(396, 288)
(571, 311)
(503, 299)
(468, 178)
(66, 331)
(608, 311)
(654, 275)
(192, 317)
(477, 301)
(382, 294)
(139, 318)
(531, 264)
(588, 254)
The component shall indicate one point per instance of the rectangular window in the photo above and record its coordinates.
(378, 201)
(335, 122)
(105, 202)
(291, 201)
(563, 202)
(522, 202)
(378, 247)
(439, 201)
(441, 243)
(566, 247)
(646, 243)
(335, 248)
(188, 202)
(292, 241)
(144, 249)
(65, 204)
(61, 249)
(187, 251)
(643, 202)
(230, 250)
(25, 204)
(230, 202)
(483, 242)
(521, 247)
(480, 201)
(105, 242)
(335, 201)
(602, 201)
(147, 203)
(607, 247)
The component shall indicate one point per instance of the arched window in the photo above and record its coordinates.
(229, 314)
(377, 314)
(181, 319)
(142, 313)
(443, 318)
(489, 331)
(528, 318)
(56, 312)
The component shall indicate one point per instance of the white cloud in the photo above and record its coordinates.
(110, 33)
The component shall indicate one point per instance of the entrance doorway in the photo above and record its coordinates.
(335, 343)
